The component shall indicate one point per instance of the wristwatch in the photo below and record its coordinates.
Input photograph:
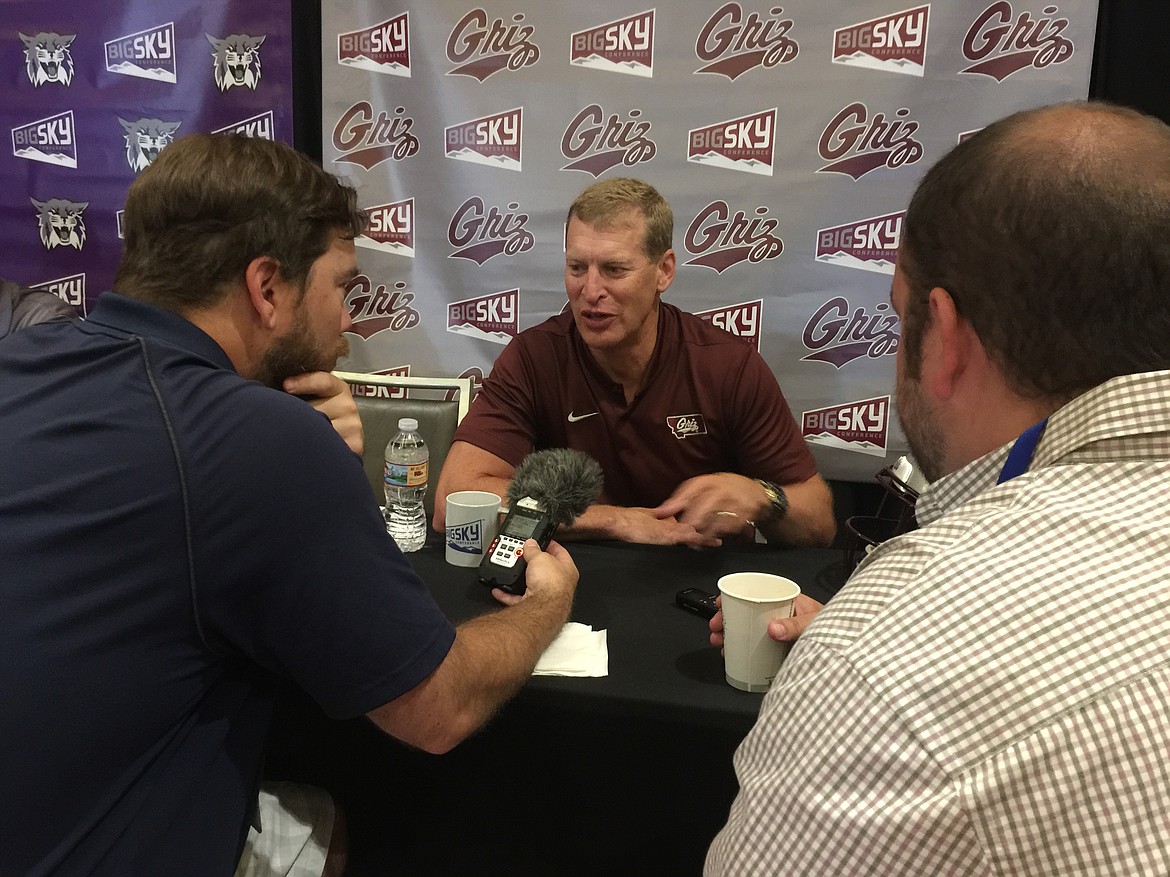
(778, 507)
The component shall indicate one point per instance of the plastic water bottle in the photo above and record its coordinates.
(405, 475)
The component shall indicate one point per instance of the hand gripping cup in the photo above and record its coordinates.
(750, 600)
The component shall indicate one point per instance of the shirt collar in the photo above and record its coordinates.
(135, 317)
(1126, 406)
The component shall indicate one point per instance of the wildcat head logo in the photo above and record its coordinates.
(47, 58)
(145, 139)
(60, 222)
(237, 60)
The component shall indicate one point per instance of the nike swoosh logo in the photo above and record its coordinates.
(573, 418)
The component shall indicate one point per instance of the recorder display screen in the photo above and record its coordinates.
(521, 523)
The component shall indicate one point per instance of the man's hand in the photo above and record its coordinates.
(639, 525)
(330, 395)
(551, 574)
(720, 506)
(783, 630)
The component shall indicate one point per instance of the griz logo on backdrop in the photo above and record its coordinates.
(60, 222)
(482, 46)
(861, 426)
(145, 139)
(368, 140)
(495, 140)
(70, 290)
(596, 143)
(147, 54)
(743, 144)
(494, 317)
(838, 334)
(236, 60)
(742, 320)
(373, 309)
(480, 233)
(731, 44)
(718, 239)
(389, 228)
(1002, 43)
(894, 43)
(47, 58)
(381, 48)
(854, 144)
(262, 126)
(625, 45)
(52, 140)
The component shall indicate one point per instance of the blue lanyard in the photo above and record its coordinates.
(1020, 456)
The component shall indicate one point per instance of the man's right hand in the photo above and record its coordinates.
(639, 525)
(550, 574)
(783, 630)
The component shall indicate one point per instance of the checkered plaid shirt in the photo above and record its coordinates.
(990, 694)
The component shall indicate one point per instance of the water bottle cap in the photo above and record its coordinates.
(408, 424)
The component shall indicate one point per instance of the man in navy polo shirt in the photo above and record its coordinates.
(180, 537)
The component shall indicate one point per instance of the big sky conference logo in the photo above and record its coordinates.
(625, 45)
(838, 333)
(47, 58)
(381, 391)
(894, 43)
(390, 228)
(730, 43)
(70, 290)
(367, 140)
(1000, 43)
(52, 140)
(742, 319)
(373, 308)
(595, 142)
(861, 427)
(493, 140)
(855, 144)
(744, 144)
(262, 125)
(719, 239)
(478, 232)
(494, 317)
(480, 46)
(147, 54)
(381, 48)
(235, 60)
(865, 244)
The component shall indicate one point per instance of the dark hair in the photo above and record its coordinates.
(607, 203)
(1050, 229)
(211, 203)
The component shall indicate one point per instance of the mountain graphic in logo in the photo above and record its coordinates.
(742, 144)
(381, 48)
(867, 244)
(861, 427)
(625, 45)
(893, 43)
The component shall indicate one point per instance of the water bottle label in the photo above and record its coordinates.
(405, 474)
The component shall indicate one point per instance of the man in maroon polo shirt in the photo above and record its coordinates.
(694, 437)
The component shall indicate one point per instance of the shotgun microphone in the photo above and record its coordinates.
(550, 488)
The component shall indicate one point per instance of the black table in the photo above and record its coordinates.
(625, 774)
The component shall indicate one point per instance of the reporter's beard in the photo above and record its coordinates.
(295, 353)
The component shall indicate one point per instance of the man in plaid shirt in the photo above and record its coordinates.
(990, 694)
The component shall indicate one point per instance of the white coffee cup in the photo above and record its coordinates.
(473, 518)
(751, 658)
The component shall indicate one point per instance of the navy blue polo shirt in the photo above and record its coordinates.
(175, 542)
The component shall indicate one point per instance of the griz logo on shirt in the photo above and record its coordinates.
(854, 144)
(837, 336)
(145, 139)
(482, 47)
(60, 222)
(368, 140)
(236, 60)
(47, 58)
(597, 143)
(482, 233)
(719, 240)
(732, 45)
(374, 309)
(685, 425)
(1001, 47)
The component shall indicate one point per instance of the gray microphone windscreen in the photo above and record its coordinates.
(563, 482)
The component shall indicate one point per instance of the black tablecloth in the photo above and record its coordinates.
(625, 774)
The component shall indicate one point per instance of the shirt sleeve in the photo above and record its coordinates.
(832, 782)
(501, 417)
(770, 443)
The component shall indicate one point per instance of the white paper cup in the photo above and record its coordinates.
(473, 517)
(751, 658)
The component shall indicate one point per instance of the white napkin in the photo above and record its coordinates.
(578, 650)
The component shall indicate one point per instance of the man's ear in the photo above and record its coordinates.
(263, 280)
(951, 342)
(665, 270)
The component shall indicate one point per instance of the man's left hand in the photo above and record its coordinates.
(722, 505)
(330, 395)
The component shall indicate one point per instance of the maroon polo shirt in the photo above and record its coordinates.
(709, 404)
